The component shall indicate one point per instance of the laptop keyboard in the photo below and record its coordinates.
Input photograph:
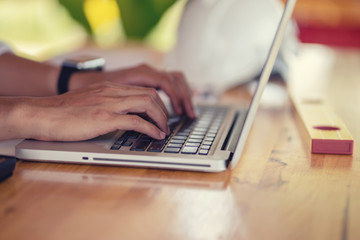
(188, 136)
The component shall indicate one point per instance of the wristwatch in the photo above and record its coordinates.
(77, 64)
(7, 166)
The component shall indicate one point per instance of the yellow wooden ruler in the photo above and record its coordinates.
(324, 131)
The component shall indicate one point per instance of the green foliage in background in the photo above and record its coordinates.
(76, 11)
(138, 17)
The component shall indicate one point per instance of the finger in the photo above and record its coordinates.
(186, 94)
(151, 78)
(145, 104)
(136, 123)
(152, 92)
(168, 85)
(111, 89)
(137, 91)
(145, 75)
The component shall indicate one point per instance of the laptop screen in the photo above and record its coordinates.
(264, 77)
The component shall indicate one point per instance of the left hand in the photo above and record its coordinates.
(172, 83)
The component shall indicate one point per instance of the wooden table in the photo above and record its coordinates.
(278, 190)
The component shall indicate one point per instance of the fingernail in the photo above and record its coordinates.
(162, 135)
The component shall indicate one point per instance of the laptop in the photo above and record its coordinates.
(211, 143)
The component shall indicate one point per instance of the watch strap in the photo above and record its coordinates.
(64, 77)
(65, 74)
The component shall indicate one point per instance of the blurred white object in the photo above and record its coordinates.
(225, 43)
(311, 70)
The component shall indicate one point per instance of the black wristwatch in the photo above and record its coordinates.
(7, 166)
(70, 66)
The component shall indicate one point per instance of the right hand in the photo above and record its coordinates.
(92, 111)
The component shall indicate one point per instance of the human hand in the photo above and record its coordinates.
(172, 83)
(92, 111)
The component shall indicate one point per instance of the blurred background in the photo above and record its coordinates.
(329, 22)
(42, 29)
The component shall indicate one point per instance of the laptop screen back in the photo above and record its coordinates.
(264, 77)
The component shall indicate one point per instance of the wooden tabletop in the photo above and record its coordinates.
(278, 190)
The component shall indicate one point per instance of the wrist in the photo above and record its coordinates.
(70, 77)
(83, 79)
(30, 117)
(13, 118)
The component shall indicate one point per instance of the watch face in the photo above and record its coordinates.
(84, 62)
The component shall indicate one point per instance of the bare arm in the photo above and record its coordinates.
(23, 77)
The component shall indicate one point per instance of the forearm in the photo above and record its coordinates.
(10, 118)
(23, 77)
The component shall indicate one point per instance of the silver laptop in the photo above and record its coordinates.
(211, 143)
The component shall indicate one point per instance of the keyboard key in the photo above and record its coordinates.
(190, 144)
(207, 143)
(173, 127)
(128, 143)
(200, 129)
(174, 119)
(196, 136)
(156, 147)
(179, 137)
(160, 142)
(173, 122)
(177, 141)
(194, 140)
(118, 143)
(140, 146)
(201, 133)
(205, 147)
(115, 147)
(145, 138)
(121, 140)
(213, 130)
(175, 145)
(131, 135)
(183, 133)
(172, 150)
(210, 139)
(203, 152)
(189, 150)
